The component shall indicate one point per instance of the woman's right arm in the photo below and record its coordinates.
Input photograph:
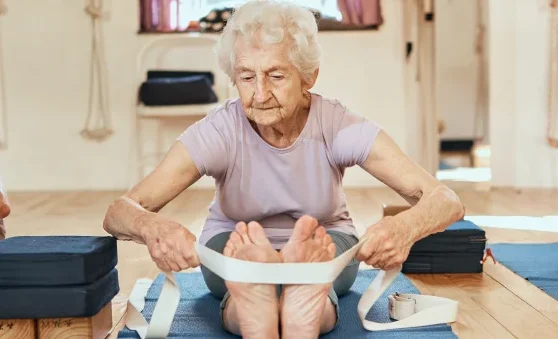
(134, 215)
(131, 216)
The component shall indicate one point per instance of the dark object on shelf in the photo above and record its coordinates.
(171, 88)
(216, 20)
(463, 145)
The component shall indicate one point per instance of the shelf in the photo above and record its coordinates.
(175, 111)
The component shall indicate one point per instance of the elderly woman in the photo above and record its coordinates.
(278, 154)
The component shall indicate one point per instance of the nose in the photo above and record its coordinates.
(262, 93)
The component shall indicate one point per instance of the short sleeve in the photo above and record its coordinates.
(207, 142)
(353, 137)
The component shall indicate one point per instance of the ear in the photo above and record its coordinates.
(309, 83)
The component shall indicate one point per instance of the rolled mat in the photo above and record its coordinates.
(197, 315)
(537, 263)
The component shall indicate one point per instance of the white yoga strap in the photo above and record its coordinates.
(410, 310)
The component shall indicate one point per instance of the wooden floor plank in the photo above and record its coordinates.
(518, 317)
(529, 293)
(472, 320)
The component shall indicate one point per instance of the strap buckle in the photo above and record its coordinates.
(401, 306)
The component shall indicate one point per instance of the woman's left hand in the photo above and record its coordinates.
(388, 245)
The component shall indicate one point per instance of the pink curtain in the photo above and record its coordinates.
(155, 15)
(361, 12)
(164, 15)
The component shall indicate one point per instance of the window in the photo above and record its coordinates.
(187, 15)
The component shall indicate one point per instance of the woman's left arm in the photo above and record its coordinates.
(433, 205)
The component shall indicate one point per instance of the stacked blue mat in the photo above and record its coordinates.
(459, 249)
(57, 276)
(198, 312)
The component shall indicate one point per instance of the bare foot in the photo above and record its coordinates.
(306, 309)
(252, 309)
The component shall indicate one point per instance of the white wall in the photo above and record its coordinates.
(518, 65)
(47, 46)
(456, 66)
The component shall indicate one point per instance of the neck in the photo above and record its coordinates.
(284, 133)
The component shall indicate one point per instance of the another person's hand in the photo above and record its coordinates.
(4, 212)
(4, 207)
(171, 246)
(388, 245)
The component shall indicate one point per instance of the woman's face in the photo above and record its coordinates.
(270, 87)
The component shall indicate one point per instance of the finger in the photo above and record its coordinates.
(389, 259)
(193, 260)
(162, 265)
(375, 259)
(367, 250)
(172, 264)
(191, 257)
(180, 260)
(158, 257)
(189, 254)
(390, 266)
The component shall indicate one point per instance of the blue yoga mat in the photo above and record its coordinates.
(537, 263)
(198, 312)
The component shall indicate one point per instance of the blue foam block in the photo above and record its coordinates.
(537, 263)
(198, 312)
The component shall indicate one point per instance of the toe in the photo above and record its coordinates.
(229, 249)
(331, 250)
(242, 230)
(235, 239)
(326, 240)
(257, 234)
(304, 228)
(319, 234)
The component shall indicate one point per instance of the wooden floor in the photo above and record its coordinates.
(494, 304)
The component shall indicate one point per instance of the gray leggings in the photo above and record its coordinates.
(341, 285)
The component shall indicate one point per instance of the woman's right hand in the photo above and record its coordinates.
(171, 246)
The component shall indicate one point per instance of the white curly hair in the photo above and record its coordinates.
(277, 22)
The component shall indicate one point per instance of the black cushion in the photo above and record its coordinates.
(458, 249)
(461, 236)
(171, 91)
(32, 302)
(165, 74)
(55, 260)
(447, 263)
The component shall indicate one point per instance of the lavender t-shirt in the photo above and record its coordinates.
(275, 186)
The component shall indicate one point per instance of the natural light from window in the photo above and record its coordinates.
(182, 12)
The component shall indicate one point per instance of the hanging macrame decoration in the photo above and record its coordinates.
(552, 127)
(3, 105)
(98, 79)
(481, 102)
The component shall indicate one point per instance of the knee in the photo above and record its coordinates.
(214, 283)
(346, 279)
